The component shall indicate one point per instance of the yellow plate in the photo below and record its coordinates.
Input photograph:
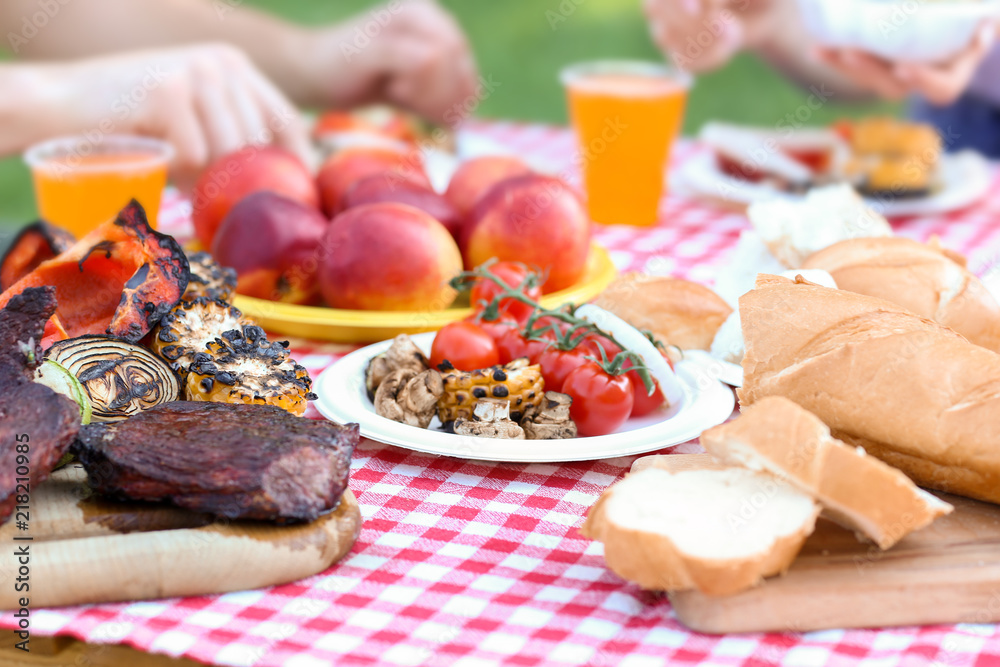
(362, 326)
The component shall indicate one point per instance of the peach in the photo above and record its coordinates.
(475, 177)
(385, 188)
(388, 256)
(251, 169)
(273, 243)
(348, 166)
(538, 220)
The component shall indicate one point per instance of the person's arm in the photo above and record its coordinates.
(407, 52)
(206, 100)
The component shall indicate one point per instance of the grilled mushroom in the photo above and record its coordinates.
(243, 366)
(403, 353)
(119, 378)
(550, 420)
(189, 327)
(491, 419)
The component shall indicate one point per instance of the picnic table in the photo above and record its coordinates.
(466, 563)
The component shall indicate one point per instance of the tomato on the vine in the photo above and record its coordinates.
(642, 402)
(557, 364)
(513, 345)
(512, 274)
(467, 346)
(495, 328)
(594, 342)
(601, 402)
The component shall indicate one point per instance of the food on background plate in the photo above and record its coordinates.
(344, 168)
(538, 220)
(890, 157)
(189, 327)
(245, 171)
(856, 491)
(475, 177)
(378, 125)
(381, 188)
(550, 420)
(119, 279)
(790, 161)
(519, 383)
(388, 257)
(37, 422)
(207, 278)
(402, 354)
(689, 529)
(243, 366)
(490, 419)
(678, 312)
(465, 345)
(120, 379)
(409, 397)
(34, 244)
(233, 461)
(273, 242)
(794, 230)
(913, 393)
(927, 279)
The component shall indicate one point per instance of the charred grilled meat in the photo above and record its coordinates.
(35, 421)
(231, 460)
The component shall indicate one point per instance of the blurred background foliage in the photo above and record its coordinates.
(522, 44)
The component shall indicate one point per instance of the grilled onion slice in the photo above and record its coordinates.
(120, 379)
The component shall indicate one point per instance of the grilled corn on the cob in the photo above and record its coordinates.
(518, 382)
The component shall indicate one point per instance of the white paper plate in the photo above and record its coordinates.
(962, 179)
(723, 371)
(342, 398)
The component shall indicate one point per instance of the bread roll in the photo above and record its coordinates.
(912, 392)
(720, 531)
(678, 312)
(924, 279)
(856, 491)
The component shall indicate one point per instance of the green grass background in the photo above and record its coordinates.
(516, 44)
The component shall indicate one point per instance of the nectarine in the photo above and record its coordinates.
(273, 243)
(388, 257)
(234, 176)
(475, 177)
(348, 166)
(538, 220)
(385, 188)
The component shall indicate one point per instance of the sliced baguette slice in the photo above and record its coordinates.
(720, 531)
(856, 490)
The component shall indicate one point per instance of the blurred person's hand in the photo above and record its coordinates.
(206, 100)
(412, 54)
(940, 83)
(701, 35)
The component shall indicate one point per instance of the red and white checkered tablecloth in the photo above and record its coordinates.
(471, 563)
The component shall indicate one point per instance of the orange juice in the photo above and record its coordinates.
(79, 189)
(626, 117)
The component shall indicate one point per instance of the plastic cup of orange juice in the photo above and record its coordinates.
(80, 183)
(626, 115)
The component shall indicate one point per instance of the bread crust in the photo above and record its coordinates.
(872, 370)
(923, 278)
(654, 562)
(678, 312)
(857, 491)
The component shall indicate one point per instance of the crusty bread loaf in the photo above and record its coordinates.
(925, 279)
(679, 312)
(720, 531)
(857, 491)
(912, 392)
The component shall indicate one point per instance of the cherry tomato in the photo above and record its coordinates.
(593, 341)
(512, 345)
(512, 274)
(601, 402)
(557, 364)
(465, 345)
(643, 403)
(495, 328)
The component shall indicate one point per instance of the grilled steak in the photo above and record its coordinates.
(30, 414)
(233, 460)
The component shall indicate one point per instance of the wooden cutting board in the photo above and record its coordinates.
(948, 572)
(85, 549)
